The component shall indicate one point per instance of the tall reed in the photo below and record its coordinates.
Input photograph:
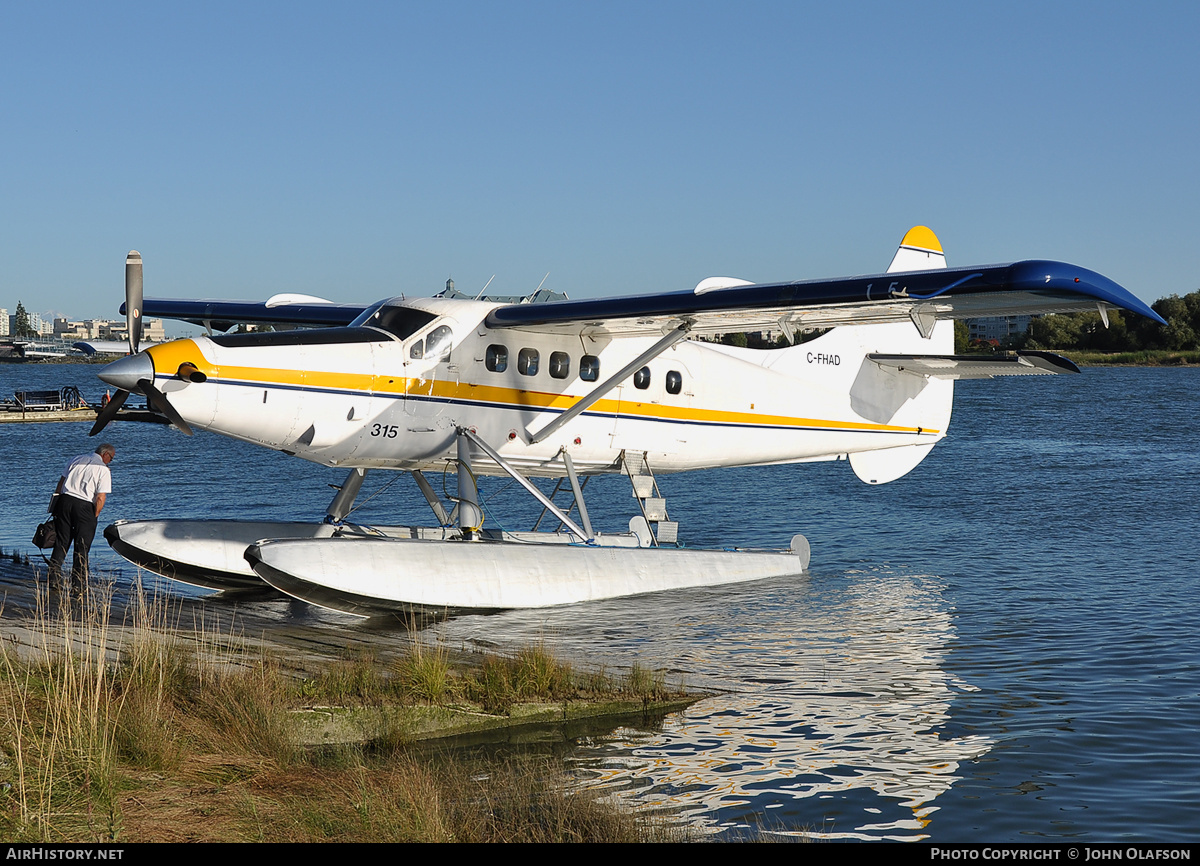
(57, 704)
(96, 707)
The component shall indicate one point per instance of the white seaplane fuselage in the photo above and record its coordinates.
(366, 397)
(383, 401)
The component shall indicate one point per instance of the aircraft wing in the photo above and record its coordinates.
(223, 315)
(1023, 288)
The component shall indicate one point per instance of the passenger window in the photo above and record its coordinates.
(417, 350)
(641, 379)
(560, 365)
(589, 368)
(437, 344)
(674, 382)
(497, 358)
(527, 362)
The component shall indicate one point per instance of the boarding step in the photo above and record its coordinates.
(643, 486)
(650, 499)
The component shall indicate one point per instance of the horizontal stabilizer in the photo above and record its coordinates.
(978, 366)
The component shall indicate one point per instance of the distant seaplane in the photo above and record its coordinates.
(564, 389)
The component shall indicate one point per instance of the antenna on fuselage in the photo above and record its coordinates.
(485, 285)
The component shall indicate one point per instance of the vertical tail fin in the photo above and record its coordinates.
(920, 250)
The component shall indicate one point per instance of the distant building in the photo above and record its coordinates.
(4, 329)
(107, 329)
(998, 328)
(69, 330)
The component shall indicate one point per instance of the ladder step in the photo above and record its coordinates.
(668, 532)
(643, 486)
(656, 508)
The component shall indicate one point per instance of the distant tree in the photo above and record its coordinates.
(1087, 330)
(739, 339)
(810, 334)
(962, 337)
(1179, 332)
(1054, 332)
(21, 326)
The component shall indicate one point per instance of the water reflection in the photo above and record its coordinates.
(837, 720)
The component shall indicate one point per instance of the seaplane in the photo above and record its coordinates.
(563, 389)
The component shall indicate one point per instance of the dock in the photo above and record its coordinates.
(84, 413)
(31, 416)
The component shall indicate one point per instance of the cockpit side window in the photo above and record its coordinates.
(437, 344)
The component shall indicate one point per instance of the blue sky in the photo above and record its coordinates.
(365, 150)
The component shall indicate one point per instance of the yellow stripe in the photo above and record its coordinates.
(168, 356)
(635, 409)
(503, 396)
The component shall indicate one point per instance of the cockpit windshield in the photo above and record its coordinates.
(398, 320)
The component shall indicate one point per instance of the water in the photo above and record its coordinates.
(1000, 646)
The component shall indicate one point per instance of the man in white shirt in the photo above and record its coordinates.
(78, 500)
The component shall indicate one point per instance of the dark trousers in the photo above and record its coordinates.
(74, 523)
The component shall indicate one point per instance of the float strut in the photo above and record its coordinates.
(578, 493)
(439, 510)
(470, 515)
(572, 526)
(343, 501)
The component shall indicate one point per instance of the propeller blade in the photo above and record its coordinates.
(133, 299)
(109, 411)
(162, 405)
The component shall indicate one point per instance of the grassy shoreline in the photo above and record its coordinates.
(1142, 358)
(134, 731)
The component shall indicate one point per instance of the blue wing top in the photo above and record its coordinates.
(1022, 288)
(1029, 287)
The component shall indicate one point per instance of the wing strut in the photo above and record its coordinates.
(611, 382)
